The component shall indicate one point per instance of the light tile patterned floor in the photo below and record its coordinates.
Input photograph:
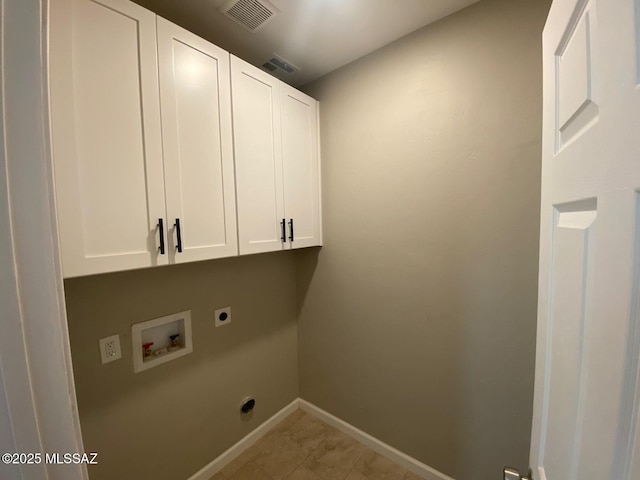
(301, 447)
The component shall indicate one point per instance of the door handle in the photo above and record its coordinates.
(513, 474)
(178, 234)
(291, 229)
(161, 232)
(284, 231)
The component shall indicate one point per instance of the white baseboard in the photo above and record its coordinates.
(373, 443)
(228, 456)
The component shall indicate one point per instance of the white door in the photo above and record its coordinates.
(301, 168)
(258, 155)
(586, 396)
(198, 151)
(107, 148)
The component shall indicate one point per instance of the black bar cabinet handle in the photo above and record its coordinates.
(161, 232)
(291, 229)
(284, 231)
(179, 235)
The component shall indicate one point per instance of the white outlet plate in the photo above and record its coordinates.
(110, 349)
(220, 312)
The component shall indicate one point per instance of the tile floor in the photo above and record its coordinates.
(301, 447)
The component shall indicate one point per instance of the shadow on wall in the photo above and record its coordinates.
(306, 264)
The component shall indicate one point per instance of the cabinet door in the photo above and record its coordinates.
(301, 168)
(258, 155)
(107, 148)
(197, 139)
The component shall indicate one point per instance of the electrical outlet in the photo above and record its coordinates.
(222, 316)
(110, 349)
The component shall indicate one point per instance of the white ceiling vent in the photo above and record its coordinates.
(279, 67)
(251, 14)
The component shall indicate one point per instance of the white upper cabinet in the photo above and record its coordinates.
(107, 148)
(258, 156)
(198, 150)
(277, 162)
(301, 168)
(144, 174)
(166, 149)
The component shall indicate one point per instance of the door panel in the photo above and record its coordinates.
(106, 135)
(574, 241)
(258, 157)
(197, 140)
(629, 451)
(637, 28)
(301, 166)
(610, 361)
(577, 107)
(586, 395)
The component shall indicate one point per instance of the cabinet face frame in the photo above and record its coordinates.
(195, 95)
(108, 218)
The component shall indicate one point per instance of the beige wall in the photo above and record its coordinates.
(417, 317)
(168, 422)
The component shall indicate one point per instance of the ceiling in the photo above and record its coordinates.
(317, 36)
